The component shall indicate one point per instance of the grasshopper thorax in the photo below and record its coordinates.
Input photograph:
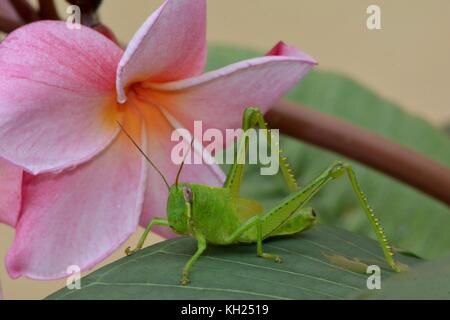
(179, 205)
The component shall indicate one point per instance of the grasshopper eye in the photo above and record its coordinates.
(188, 195)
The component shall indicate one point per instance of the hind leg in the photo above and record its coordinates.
(279, 215)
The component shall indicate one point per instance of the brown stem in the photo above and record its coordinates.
(7, 25)
(368, 148)
(25, 10)
(47, 10)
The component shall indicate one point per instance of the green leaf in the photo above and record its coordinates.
(429, 280)
(318, 264)
(412, 220)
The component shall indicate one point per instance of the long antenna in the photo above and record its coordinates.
(143, 153)
(182, 164)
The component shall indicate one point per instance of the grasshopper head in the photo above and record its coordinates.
(179, 207)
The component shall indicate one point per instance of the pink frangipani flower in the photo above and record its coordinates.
(10, 193)
(62, 92)
(10, 175)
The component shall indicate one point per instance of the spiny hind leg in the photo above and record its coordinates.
(256, 223)
(201, 247)
(340, 169)
(254, 118)
(277, 216)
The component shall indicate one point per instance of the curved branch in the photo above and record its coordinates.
(368, 148)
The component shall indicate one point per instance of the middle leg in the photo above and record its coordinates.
(256, 223)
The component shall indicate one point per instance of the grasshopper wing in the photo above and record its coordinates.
(247, 208)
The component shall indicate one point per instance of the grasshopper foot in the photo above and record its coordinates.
(272, 257)
(399, 267)
(185, 281)
(130, 252)
(278, 259)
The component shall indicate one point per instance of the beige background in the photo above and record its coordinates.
(407, 61)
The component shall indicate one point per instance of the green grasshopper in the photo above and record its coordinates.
(220, 216)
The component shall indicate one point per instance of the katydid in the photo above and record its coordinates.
(220, 216)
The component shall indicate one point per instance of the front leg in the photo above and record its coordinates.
(201, 246)
(157, 222)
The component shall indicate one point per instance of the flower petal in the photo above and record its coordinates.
(10, 193)
(57, 100)
(219, 98)
(160, 146)
(170, 45)
(282, 49)
(79, 217)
